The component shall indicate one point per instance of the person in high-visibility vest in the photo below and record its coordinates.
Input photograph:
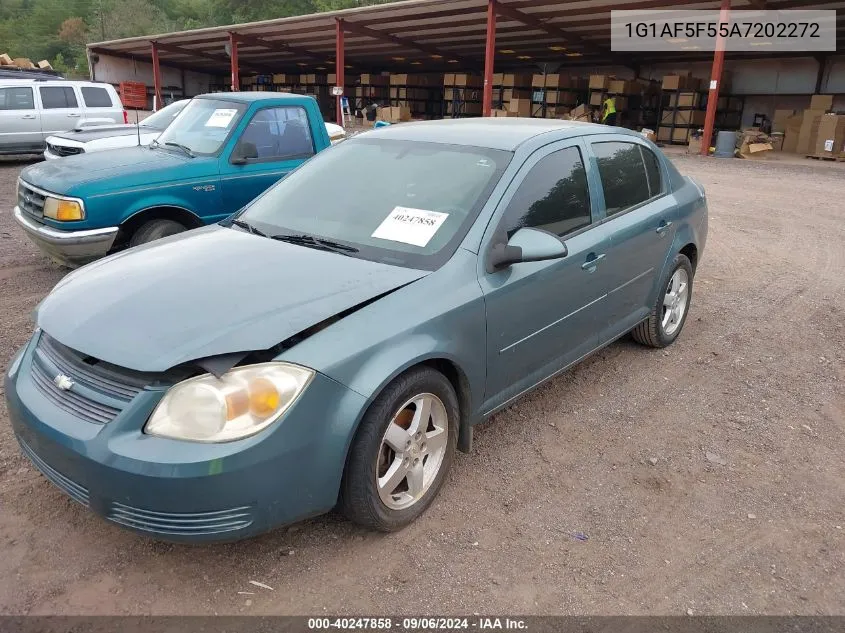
(608, 116)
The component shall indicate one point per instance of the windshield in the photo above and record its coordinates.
(164, 117)
(398, 202)
(203, 125)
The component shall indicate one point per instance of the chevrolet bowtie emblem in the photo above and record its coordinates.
(63, 382)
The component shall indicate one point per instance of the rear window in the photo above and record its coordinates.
(96, 98)
(16, 99)
(54, 97)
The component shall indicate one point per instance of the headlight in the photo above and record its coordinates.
(241, 403)
(63, 210)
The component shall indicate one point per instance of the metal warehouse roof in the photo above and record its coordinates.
(425, 35)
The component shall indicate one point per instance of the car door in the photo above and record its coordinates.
(543, 316)
(20, 125)
(99, 108)
(282, 140)
(639, 215)
(60, 109)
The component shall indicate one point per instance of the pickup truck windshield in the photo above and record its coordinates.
(203, 126)
(164, 117)
(406, 203)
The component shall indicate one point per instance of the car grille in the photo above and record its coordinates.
(30, 201)
(194, 523)
(117, 386)
(63, 150)
(70, 488)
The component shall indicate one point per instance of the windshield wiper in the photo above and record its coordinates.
(316, 242)
(248, 227)
(184, 148)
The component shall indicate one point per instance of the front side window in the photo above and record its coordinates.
(57, 97)
(406, 203)
(279, 134)
(96, 97)
(16, 99)
(554, 196)
(203, 126)
(623, 175)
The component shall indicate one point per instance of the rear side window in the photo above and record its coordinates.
(53, 97)
(624, 176)
(16, 99)
(652, 170)
(554, 196)
(96, 97)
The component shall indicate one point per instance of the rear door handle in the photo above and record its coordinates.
(590, 264)
(664, 226)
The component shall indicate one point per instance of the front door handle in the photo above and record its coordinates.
(664, 226)
(590, 264)
(28, 116)
(73, 114)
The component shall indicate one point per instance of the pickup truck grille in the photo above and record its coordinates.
(30, 201)
(62, 150)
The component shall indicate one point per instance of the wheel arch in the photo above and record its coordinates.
(184, 216)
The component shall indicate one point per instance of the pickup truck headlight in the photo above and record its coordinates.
(241, 403)
(63, 210)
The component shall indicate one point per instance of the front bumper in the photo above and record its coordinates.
(69, 248)
(184, 491)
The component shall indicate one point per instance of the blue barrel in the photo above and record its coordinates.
(725, 145)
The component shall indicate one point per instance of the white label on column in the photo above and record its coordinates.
(713, 84)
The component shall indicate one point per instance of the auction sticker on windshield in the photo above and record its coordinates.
(221, 117)
(410, 226)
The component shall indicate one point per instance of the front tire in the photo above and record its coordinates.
(155, 230)
(669, 314)
(402, 451)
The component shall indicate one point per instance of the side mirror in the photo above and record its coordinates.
(526, 245)
(243, 152)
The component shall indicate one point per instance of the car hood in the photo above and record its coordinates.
(208, 292)
(131, 165)
(98, 132)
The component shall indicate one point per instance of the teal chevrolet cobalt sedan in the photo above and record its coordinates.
(335, 342)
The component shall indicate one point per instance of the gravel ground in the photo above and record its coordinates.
(707, 478)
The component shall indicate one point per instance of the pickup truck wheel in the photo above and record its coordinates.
(155, 230)
(668, 316)
(402, 451)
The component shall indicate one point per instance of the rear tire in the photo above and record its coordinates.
(670, 311)
(155, 230)
(386, 489)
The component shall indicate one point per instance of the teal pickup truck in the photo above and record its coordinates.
(222, 151)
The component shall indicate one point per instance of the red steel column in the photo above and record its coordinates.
(156, 77)
(489, 59)
(715, 81)
(340, 65)
(233, 45)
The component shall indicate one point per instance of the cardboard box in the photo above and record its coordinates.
(45, 65)
(680, 82)
(283, 79)
(5, 60)
(497, 80)
(515, 93)
(597, 98)
(465, 80)
(694, 146)
(683, 117)
(685, 100)
(448, 80)
(807, 131)
(755, 151)
(599, 82)
(521, 106)
(790, 135)
(581, 110)
(680, 134)
(621, 87)
(779, 120)
(830, 136)
(369, 79)
(23, 62)
(516, 80)
(504, 113)
(551, 81)
(395, 114)
(821, 102)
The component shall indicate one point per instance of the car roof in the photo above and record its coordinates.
(38, 81)
(250, 97)
(490, 132)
